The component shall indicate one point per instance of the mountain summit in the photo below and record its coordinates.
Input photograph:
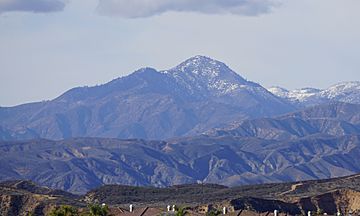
(207, 76)
(198, 94)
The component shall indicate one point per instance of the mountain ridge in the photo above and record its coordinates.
(298, 146)
(348, 92)
(334, 119)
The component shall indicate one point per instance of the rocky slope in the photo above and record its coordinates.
(199, 94)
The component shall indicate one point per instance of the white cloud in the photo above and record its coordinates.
(36, 6)
(146, 8)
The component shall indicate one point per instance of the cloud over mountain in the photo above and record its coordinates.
(146, 8)
(36, 6)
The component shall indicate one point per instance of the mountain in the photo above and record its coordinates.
(316, 143)
(197, 122)
(199, 94)
(348, 92)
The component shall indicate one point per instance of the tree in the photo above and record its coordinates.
(181, 212)
(64, 210)
(97, 210)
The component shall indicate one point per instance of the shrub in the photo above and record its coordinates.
(64, 210)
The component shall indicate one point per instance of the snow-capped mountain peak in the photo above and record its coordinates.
(203, 66)
(205, 75)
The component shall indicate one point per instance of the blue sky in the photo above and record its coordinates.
(50, 46)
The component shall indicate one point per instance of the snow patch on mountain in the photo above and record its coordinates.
(345, 92)
(279, 91)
